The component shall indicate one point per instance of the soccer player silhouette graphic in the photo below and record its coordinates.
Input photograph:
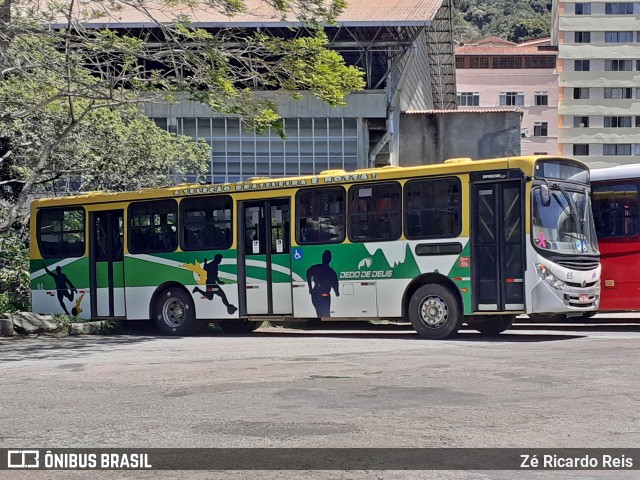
(213, 283)
(64, 287)
(321, 278)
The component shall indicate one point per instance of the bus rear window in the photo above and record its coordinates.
(153, 226)
(320, 215)
(61, 232)
(615, 210)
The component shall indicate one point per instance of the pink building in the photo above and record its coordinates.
(494, 73)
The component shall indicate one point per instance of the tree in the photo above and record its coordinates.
(499, 18)
(527, 29)
(67, 93)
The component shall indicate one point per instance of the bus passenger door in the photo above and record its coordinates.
(267, 263)
(497, 244)
(106, 263)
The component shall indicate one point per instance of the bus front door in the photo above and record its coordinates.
(497, 245)
(106, 263)
(264, 257)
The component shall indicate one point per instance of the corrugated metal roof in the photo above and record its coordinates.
(498, 46)
(364, 12)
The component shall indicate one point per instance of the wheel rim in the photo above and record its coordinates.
(434, 312)
(174, 312)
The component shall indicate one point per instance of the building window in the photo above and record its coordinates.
(638, 121)
(618, 37)
(580, 93)
(617, 122)
(310, 146)
(618, 8)
(582, 37)
(581, 149)
(459, 62)
(540, 61)
(511, 99)
(583, 9)
(375, 212)
(616, 149)
(541, 98)
(581, 65)
(479, 62)
(507, 62)
(468, 99)
(617, 93)
(580, 122)
(618, 65)
(540, 129)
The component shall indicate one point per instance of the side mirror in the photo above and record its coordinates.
(545, 197)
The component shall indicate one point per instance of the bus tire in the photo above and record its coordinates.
(434, 312)
(494, 325)
(238, 326)
(174, 313)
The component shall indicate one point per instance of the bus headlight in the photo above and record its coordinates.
(549, 277)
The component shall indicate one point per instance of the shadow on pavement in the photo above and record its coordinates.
(45, 347)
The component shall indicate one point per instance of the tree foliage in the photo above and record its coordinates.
(514, 20)
(69, 94)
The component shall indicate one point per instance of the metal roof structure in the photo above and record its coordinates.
(360, 13)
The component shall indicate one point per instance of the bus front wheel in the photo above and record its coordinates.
(434, 312)
(174, 313)
(238, 326)
(494, 325)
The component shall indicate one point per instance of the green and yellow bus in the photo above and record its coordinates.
(463, 242)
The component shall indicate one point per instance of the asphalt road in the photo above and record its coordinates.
(570, 385)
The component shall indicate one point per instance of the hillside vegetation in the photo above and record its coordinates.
(514, 20)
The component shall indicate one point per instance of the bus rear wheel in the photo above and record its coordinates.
(238, 326)
(174, 313)
(434, 312)
(494, 325)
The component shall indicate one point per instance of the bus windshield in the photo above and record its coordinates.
(566, 225)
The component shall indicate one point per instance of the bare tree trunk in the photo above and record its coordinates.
(5, 20)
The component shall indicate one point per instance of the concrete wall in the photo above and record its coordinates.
(365, 104)
(427, 138)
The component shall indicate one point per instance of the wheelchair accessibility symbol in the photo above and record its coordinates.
(297, 254)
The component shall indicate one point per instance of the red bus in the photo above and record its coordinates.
(616, 208)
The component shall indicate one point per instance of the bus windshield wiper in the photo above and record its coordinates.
(574, 212)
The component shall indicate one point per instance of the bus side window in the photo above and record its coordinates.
(153, 226)
(320, 215)
(60, 232)
(206, 222)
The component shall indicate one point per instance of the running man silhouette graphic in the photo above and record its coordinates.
(213, 283)
(64, 287)
(324, 278)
